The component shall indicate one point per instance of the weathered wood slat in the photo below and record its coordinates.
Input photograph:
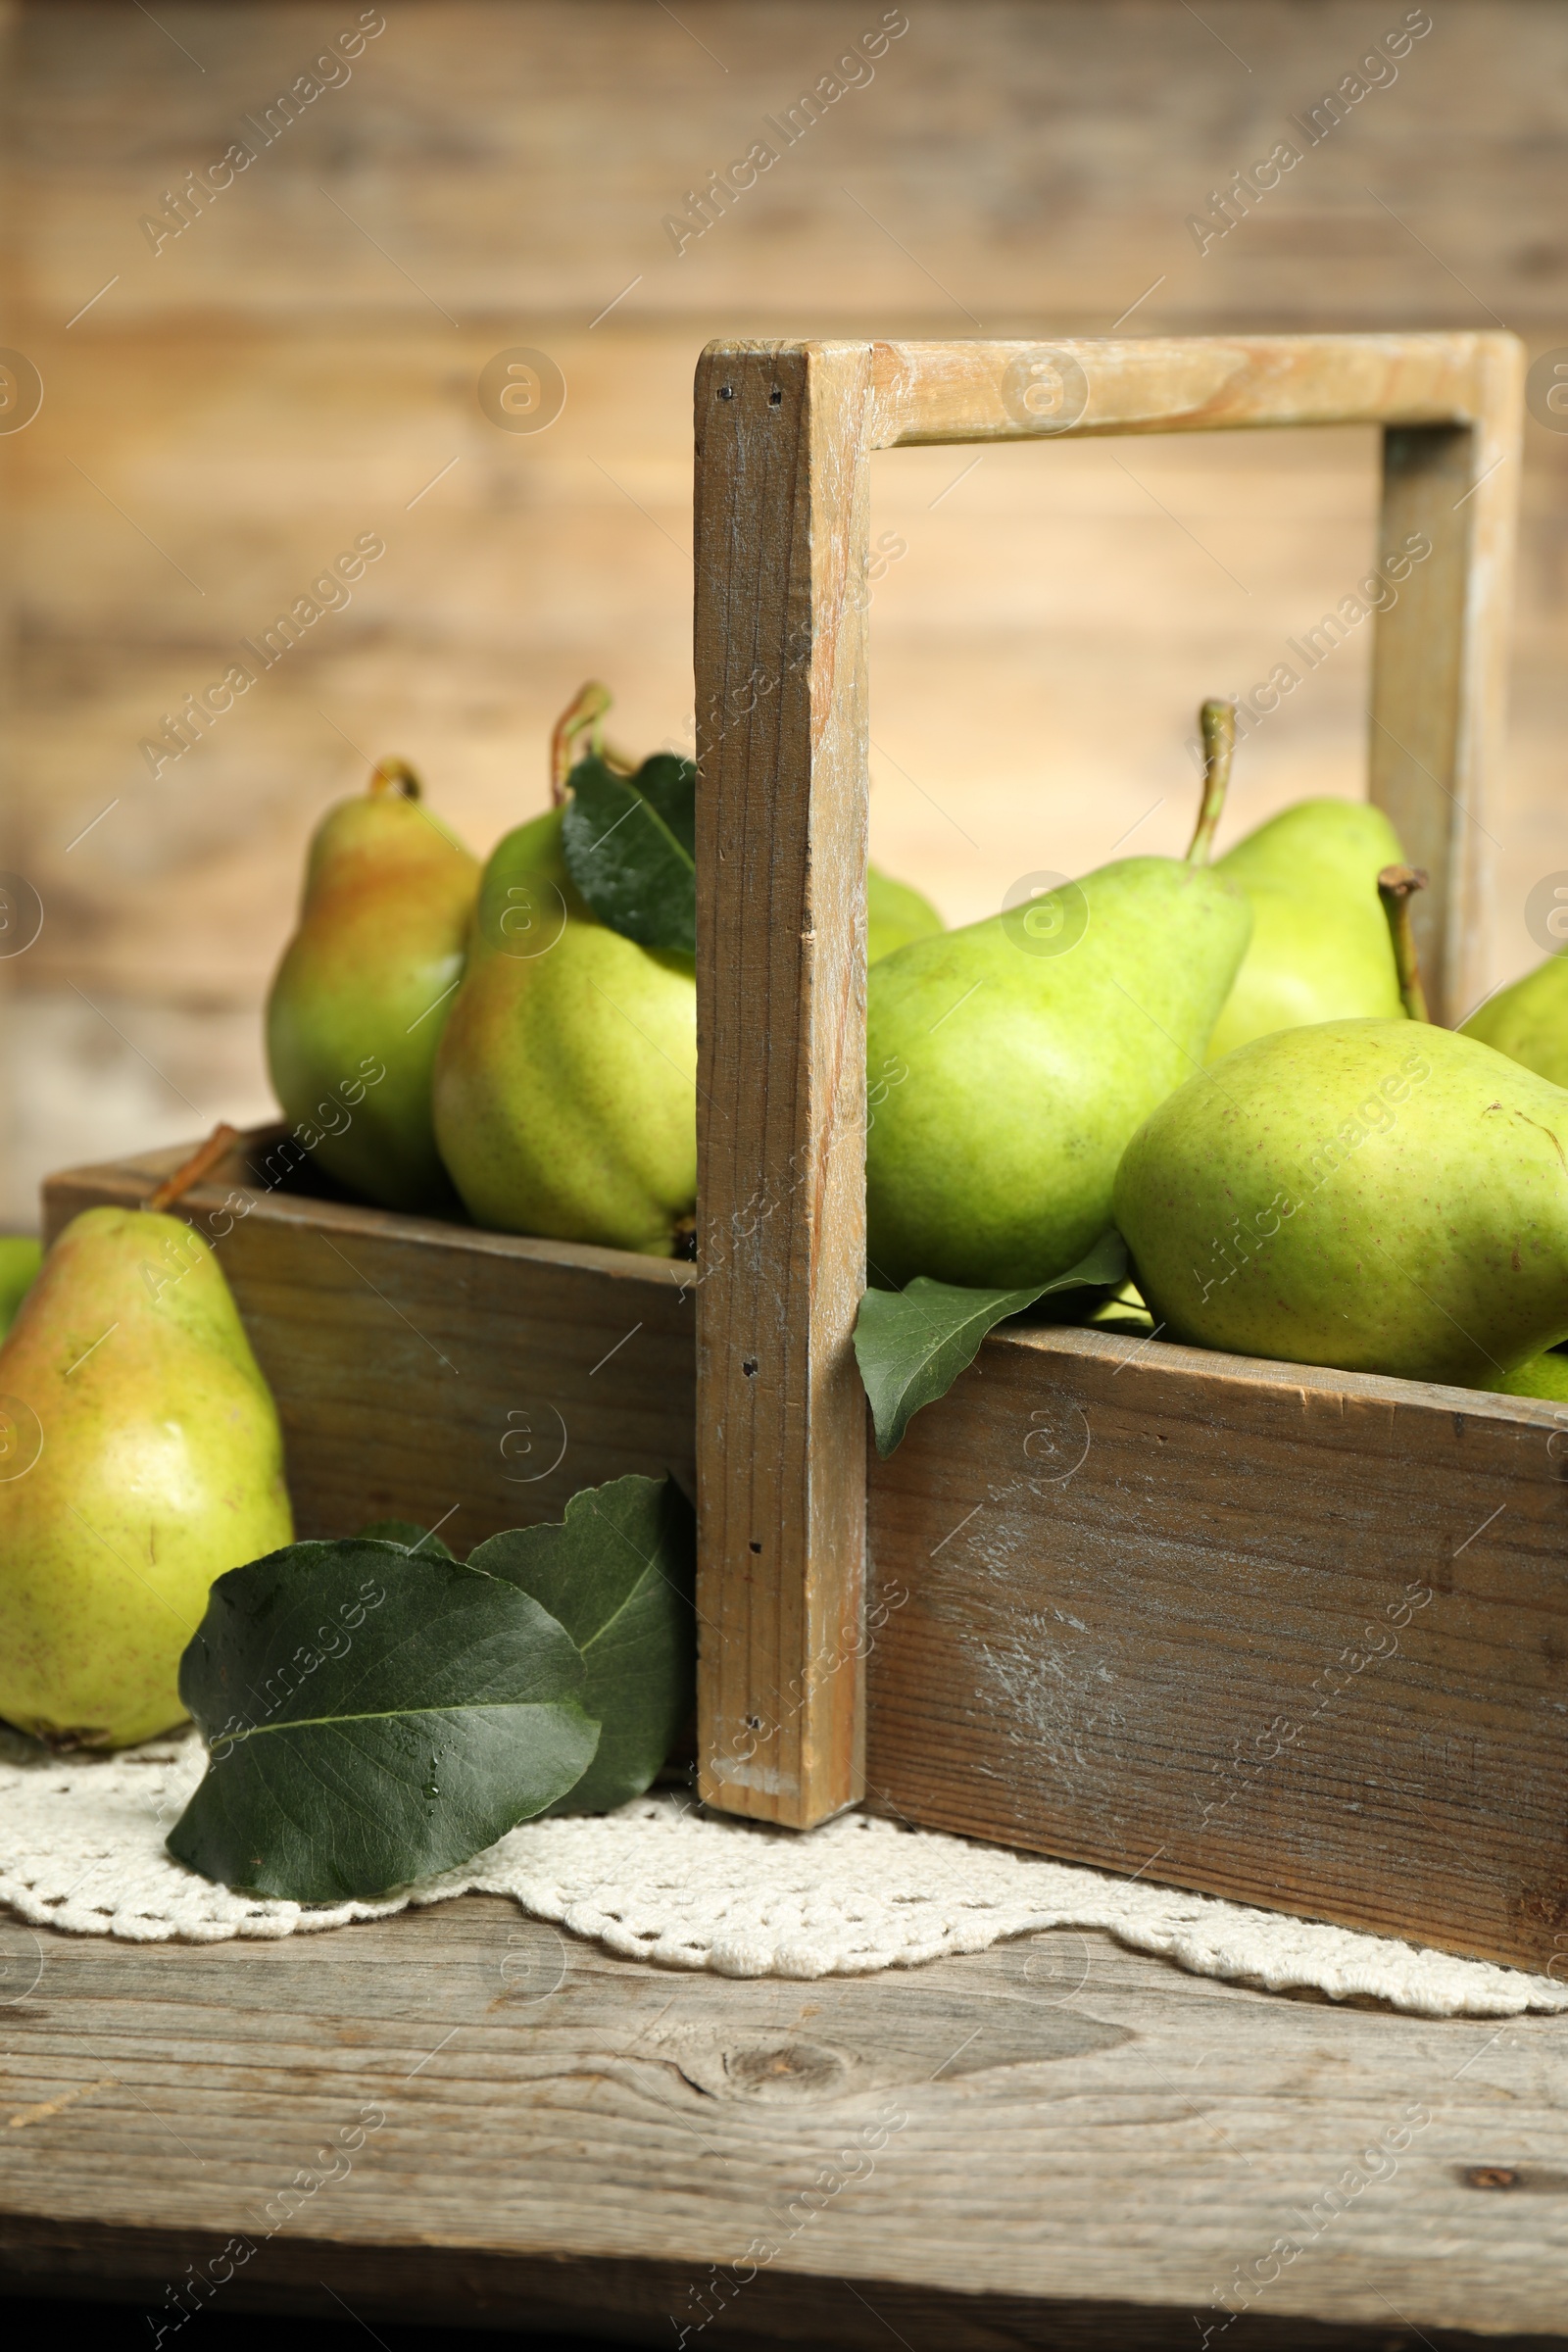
(781, 523)
(989, 391)
(1296, 1636)
(1439, 662)
(1056, 2143)
(429, 1371)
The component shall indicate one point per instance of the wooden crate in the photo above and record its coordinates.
(429, 1371)
(1286, 1635)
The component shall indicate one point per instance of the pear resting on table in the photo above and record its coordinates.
(144, 1458)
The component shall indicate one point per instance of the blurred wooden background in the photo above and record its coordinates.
(224, 414)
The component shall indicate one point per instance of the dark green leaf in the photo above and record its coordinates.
(671, 784)
(618, 1573)
(373, 1716)
(629, 843)
(410, 1535)
(913, 1344)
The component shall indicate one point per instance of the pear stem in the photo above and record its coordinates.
(394, 775)
(1397, 887)
(585, 710)
(1218, 721)
(201, 1163)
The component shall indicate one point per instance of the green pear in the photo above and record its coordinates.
(1123, 1310)
(895, 914)
(1543, 1376)
(363, 991)
(1010, 1062)
(1320, 945)
(140, 1457)
(564, 1094)
(20, 1259)
(1375, 1196)
(1529, 1021)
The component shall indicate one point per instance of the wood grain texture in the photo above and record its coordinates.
(1094, 2147)
(1163, 1610)
(429, 1371)
(981, 391)
(782, 540)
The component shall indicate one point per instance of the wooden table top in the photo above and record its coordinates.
(460, 2114)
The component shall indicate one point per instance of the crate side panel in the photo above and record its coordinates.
(428, 1373)
(1236, 1627)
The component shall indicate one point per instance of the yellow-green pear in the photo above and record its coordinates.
(365, 988)
(566, 1085)
(1320, 945)
(140, 1457)
(1542, 1376)
(895, 916)
(1010, 1062)
(1529, 1021)
(1374, 1195)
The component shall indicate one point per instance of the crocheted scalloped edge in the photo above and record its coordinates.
(82, 1849)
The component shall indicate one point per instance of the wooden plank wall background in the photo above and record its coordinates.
(229, 408)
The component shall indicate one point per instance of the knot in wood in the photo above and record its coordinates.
(786, 2069)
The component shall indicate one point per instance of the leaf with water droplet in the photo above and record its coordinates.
(374, 1716)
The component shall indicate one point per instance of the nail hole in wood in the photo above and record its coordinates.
(749, 1367)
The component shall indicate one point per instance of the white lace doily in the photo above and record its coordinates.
(81, 1847)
